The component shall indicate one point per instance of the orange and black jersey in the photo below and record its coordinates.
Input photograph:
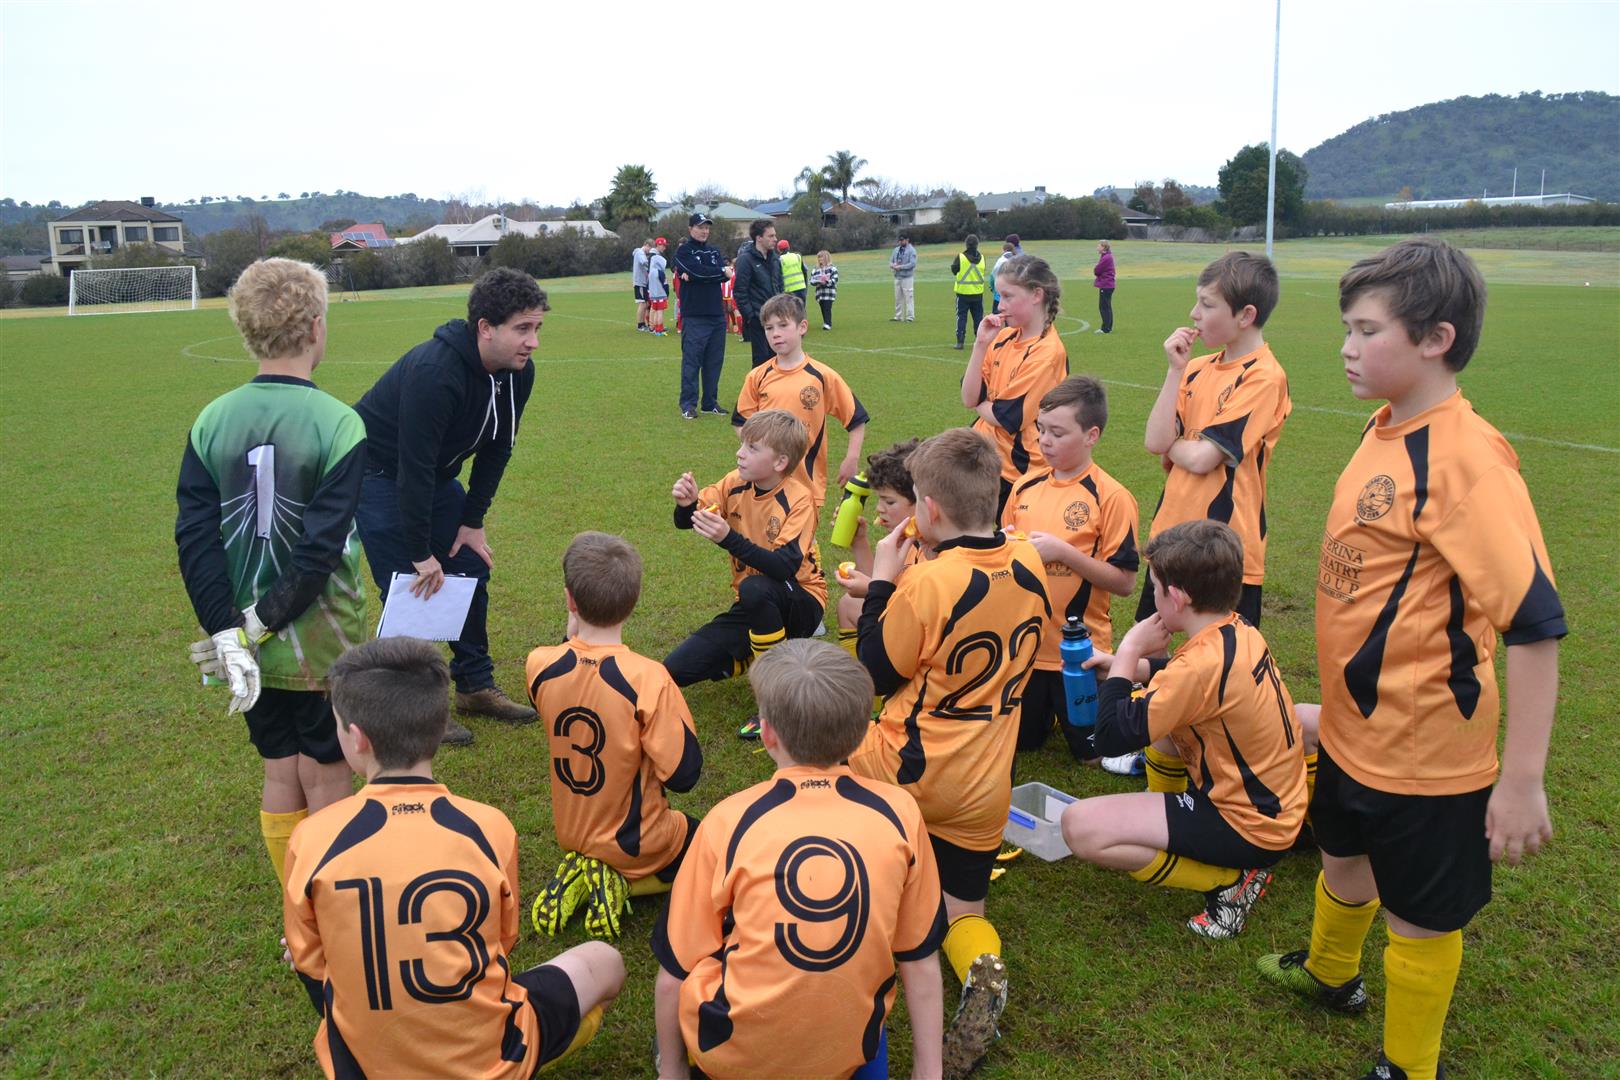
(620, 734)
(1224, 705)
(400, 908)
(1238, 405)
(790, 909)
(1018, 372)
(1432, 548)
(949, 645)
(1096, 515)
(773, 531)
(812, 392)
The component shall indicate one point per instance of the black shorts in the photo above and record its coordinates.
(1248, 604)
(716, 649)
(556, 1007)
(962, 873)
(1429, 853)
(1045, 705)
(640, 291)
(667, 874)
(1198, 831)
(284, 723)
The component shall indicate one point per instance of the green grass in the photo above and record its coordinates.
(139, 916)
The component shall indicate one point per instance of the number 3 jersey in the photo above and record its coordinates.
(791, 907)
(400, 908)
(268, 489)
(950, 646)
(619, 731)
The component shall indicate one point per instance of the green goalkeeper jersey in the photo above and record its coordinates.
(267, 494)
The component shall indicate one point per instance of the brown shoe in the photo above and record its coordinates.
(456, 734)
(491, 702)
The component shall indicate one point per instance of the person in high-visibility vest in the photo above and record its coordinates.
(971, 275)
(793, 275)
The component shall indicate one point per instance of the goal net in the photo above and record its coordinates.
(146, 288)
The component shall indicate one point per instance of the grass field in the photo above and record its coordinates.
(139, 919)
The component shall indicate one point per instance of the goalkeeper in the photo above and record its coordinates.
(267, 494)
(620, 733)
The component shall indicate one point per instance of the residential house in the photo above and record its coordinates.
(931, 212)
(477, 238)
(992, 203)
(358, 237)
(102, 227)
(831, 209)
(19, 268)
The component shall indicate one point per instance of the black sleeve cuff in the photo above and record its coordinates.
(685, 776)
(683, 515)
(930, 944)
(662, 951)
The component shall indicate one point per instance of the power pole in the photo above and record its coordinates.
(1271, 172)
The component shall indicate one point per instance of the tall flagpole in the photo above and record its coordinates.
(1271, 174)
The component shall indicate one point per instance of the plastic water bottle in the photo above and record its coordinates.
(856, 492)
(1079, 683)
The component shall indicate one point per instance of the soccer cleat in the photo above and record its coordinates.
(660, 333)
(1227, 909)
(491, 702)
(749, 728)
(456, 734)
(1288, 969)
(606, 899)
(826, 326)
(715, 410)
(561, 897)
(1131, 764)
(1388, 1070)
(973, 1029)
(688, 414)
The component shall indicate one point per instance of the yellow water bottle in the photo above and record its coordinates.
(856, 492)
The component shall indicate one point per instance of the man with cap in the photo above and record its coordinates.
(701, 270)
(904, 264)
(759, 277)
(793, 276)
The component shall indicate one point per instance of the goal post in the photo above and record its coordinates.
(144, 288)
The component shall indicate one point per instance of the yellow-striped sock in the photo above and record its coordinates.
(1338, 929)
(1179, 872)
(1421, 974)
(589, 1025)
(760, 644)
(970, 937)
(1310, 778)
(277, 830)
(846, 639)
(1164, 772)
(648, 886)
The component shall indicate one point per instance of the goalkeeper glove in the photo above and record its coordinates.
(608, 899)
(234, 656)
(559, 900)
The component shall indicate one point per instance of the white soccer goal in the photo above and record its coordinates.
(145, 288)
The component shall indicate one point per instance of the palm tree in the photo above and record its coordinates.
(842, 171)
(631, 196)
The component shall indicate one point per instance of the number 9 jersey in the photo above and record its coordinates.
(400, 909)
(792, 905)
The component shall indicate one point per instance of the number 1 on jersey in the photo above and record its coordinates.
(262, 460)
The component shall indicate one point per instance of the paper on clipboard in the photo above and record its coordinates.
(440, 617)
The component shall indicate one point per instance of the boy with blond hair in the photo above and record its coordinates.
(267, 494)
(806, 388)
(950, 646)
(1432, 549)
(805, 891)
(620, 734)
(1083, 523)
(765, 520)
(401, 904)
(1220, 709)
(1217, 417)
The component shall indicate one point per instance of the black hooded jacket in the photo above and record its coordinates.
(429, 413)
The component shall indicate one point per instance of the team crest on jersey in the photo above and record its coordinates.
(773, 528)
(810, 397)
(1076, 514)
(1226, 395)
(1376, 498)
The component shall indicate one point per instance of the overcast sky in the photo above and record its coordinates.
(545, 99)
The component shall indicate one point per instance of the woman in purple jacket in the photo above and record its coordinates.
(1104, 274)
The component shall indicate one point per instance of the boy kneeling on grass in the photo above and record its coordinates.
(1219, 710)
(401, 905)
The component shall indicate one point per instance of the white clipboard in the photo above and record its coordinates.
(440, 617)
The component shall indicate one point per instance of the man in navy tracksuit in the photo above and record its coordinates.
(702, 270)
(456, 396)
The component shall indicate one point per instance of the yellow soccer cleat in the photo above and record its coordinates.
(562, 895)
(607, 898)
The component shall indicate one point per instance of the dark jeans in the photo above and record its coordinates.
(1105, 308)
(966, 306)
(703, 351)
(381, 534)
(754, 334)
(826, 312)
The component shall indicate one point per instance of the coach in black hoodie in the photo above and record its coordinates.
(459, 395)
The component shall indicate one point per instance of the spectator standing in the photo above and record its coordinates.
(967, 270)
(657, 289)
(759, 277)
(700, 269)
(639, 261)
(1103, 273)
(793, 272)
(904, 264)
(825, 278)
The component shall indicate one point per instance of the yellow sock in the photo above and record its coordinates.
(970, 937)
(846, 639)
(1165, 773)
(1179, 872)
(1338, 929)
(1421, 974)
(589, 1025)
(1310, 777)
(760, 644)
(277, 830)
(649, 886)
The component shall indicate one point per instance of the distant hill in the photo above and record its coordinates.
(1468, 144)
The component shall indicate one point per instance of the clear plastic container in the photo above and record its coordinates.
(1034, 821)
